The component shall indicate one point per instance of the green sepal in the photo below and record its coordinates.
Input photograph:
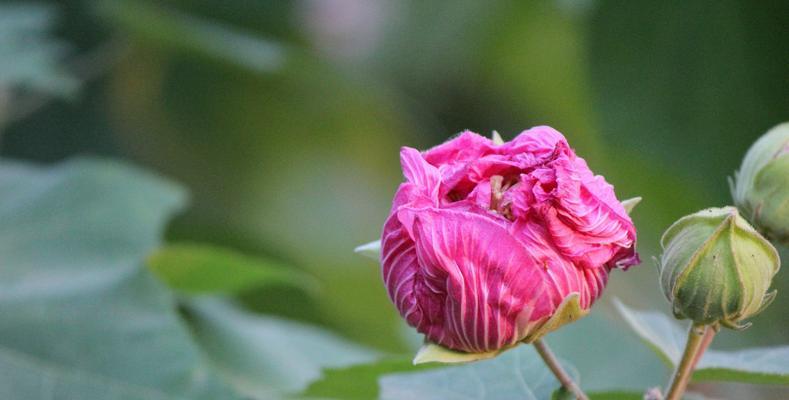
(370, 250)
(569, 311)
(630, 204)
(432, 352)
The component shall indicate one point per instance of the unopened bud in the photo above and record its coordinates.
(761, 186)
(716, 268)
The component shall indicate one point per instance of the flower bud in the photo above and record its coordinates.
(716, 268)
(489, 244)
(761, 187)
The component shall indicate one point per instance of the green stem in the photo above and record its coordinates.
(699, 338)
(709, 334)
(553, 364)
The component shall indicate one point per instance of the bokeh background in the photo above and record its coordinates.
(284, 120)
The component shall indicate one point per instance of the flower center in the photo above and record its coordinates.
(496, 191)
(498, 187)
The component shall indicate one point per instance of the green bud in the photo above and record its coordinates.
(716, 268)
(761, 187)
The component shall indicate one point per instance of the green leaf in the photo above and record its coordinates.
(519, 373)
(81, 317)
(201, 268)
(358, 381)
(29, 56)
(769, 365)
(562, 394)
(616, 395)
(630, 395)
(597, 337)
(172, 28)
(264, 356)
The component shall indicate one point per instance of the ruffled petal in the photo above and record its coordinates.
(533, 146)
(586, 222)
(564, 275)
(420, 173)
(494, 164)
(466, 147)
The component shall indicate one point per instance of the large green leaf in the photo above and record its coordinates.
(80, 317)
(519, 373)
(266, 356)
(585, 342)
(359, 381)
(667, 338)
(597, 348)
(616, 396)
(29, 57)
(201, 268)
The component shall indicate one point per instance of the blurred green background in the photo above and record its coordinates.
(284, 120)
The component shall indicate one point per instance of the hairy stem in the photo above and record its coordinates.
(553, 364)
(699, 338)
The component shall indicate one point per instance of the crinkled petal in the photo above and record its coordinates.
(466, 147)
(564, 275)
(419, 172)
(533, 145)
(586, 226)
(494, 164)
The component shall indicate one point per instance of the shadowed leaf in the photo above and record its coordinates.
(265, 356)
(519, 373)
(666, 337)
(81, 317)
(200, 268)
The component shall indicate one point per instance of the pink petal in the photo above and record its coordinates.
(564, 274)
(588, 224)
(466, 147)
(420, 173)
(491, 287)
(400, 266)
(534, 145)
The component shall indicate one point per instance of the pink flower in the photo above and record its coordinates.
(484, 241)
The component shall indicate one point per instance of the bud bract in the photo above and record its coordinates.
(716, 268)
(761, 186)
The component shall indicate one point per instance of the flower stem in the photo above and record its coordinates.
(553, 364)
(699, 338)
(709, 334)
